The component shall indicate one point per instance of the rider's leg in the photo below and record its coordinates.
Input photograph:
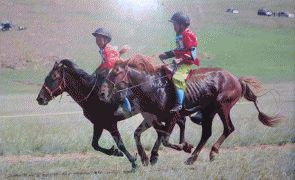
(180, 84)
(126, 104)
(180, 98)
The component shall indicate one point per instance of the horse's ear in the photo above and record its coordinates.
(116, 69)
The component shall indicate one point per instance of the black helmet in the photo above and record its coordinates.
(180, 18)
(103, 32)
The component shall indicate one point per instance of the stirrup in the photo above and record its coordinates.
(197, 118)
(176, 108)
(119, 112)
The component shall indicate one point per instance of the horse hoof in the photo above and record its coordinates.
(154, 160)
(145, 162)
(189, 161)
(212, 155)
(134, 166)
(187, 147)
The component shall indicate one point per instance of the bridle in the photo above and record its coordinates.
(123, 80)
(62, 86)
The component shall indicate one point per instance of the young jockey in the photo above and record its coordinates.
(109, 55)
(185, 54)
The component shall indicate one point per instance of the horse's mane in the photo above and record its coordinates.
(143, 63)
(90, 79)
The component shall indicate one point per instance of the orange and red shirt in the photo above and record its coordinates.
(109, 56)
(185, 42)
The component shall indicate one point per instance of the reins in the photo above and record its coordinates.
(89, 92)
(117, 91)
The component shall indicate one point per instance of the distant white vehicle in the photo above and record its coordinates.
(286, 14)
(232, 10)
(265, 12)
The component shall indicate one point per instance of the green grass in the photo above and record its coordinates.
(250, 51)
(248, 163)
(42, 134)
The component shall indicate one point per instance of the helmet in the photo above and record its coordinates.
(180, 18)
(104, 32)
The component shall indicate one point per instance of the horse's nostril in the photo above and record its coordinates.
(40, 100)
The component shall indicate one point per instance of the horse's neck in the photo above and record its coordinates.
(76, 88)
(152, 86)
(138, 78)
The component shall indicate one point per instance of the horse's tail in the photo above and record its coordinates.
(124, 49)
(251, 88)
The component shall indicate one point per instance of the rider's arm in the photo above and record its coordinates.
(167, 55)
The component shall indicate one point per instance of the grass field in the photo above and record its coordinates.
(245, 44)
(39, 135)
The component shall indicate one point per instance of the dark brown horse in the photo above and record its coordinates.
(83, 88)
(214, 90)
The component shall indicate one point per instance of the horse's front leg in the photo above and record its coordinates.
(146, 124)
(154, 153)
(181, 124)
(96, 136)
(117, 137)
(166, 135)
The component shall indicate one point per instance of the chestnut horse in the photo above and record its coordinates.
(83, 88)
(213, 90)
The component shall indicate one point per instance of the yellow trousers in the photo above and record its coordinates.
(180, 76)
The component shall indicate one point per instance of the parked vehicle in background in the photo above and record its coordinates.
(285, 14)
(265, 12)
(6, 25)
(232, 10)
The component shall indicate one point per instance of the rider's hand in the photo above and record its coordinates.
(163, 56)
(177, 61)
(188, 56)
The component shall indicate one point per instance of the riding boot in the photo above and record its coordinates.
(126, 104)
(119, 112)
(124, 109)
(180, 97)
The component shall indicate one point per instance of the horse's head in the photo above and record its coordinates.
(116, 81)
(53, 86)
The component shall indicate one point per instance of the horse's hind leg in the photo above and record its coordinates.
(228, 129)
(208, 116)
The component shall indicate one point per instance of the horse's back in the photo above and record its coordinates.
(206, 70)
(210, 72)
(213, 82)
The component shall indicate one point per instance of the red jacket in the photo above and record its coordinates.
(184, 42)
(109, 56)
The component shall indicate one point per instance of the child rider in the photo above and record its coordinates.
(109, 55)
(185, 54)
